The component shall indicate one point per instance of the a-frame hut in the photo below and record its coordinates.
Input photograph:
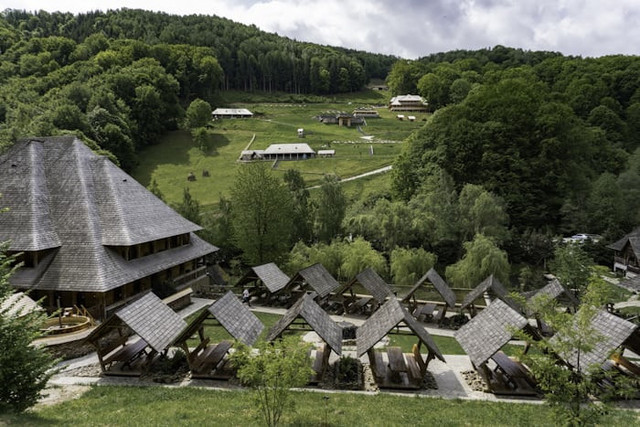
(491, 284)
(614, 336)
(315, 278)
(551, 291)
(156, 325)
(207, 360)
(267, 279)
(399, 370)
(375, 285)
(483, 337)
(306, 314)
(424, 310)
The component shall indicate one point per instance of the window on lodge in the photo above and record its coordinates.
(138, 251)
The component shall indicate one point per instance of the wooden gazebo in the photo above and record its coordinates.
(614, 336)
(207, 360)
(307, 315)
(551, 291)
(399, 370)
(483, 337)
(156, 325)
(315, 278)
(424, 311)
(377, 288)
(267, 279)
(490, 284)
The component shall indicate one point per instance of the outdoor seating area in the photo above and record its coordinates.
(424, 312)
(156, 326)
(208, 360)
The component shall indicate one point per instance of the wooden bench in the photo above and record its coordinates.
(439, 317)
(212, 356)
(377, 365)
(424, 312)
(127, 353)
(627, 364)
(396, 360)
(512, 369)
(359, 305)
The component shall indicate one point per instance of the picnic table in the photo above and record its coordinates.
(128, 353)
(514, 371)
(424, 312)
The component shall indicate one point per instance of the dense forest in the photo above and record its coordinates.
(522, 147)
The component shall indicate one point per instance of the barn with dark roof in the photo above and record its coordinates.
(88, 234)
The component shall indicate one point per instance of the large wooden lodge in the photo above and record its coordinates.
(87, 233)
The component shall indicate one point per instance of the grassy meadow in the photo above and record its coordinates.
(161, 406)
(176, 155)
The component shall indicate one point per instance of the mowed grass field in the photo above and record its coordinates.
(176, 155)
(162, 406)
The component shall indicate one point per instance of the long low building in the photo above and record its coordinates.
(231, 113)
(288, 152)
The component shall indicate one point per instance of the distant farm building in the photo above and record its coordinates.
(280, 152)
(408, 103)
(231, 113)
(326, 153)
(366, 112)
(340, 118)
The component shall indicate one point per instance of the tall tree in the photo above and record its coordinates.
(189, 207)
(302, 222)
(198, 114)
(482, 258)
(408, 265)
(331, 209)
(262, 214)
(24, 367)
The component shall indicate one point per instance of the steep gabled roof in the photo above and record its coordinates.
(28, 223)
(384, 320)
(490, 282)
(372, 282)
(489, 331)
(18, 304)
(317, 278)
(321, 323)
(80, 205)
(150, 318)
(438, 283)
(611, 332)
(553, 290)
(236, 318)
(270, 274)
(632, 238)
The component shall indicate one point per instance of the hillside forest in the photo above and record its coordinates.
(521, 147)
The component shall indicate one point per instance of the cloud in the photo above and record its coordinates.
(415, 28)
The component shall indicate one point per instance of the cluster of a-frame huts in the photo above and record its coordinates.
(312, 290)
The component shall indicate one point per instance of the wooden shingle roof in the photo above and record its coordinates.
(18, 304)
(317, 277)
(489, 331)
(490, 282)
(154, 321)
(438, 283)
(236, 318)
(81, 205)
(611, 332)
(321, 323)
(372, 282)
(384, 320)
(553, 290)
(270, 274)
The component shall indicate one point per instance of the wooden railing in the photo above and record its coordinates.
(189, 277)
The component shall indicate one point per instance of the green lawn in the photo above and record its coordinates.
(133, 406)
(175, 155)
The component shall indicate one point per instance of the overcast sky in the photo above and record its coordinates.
(413, 28)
